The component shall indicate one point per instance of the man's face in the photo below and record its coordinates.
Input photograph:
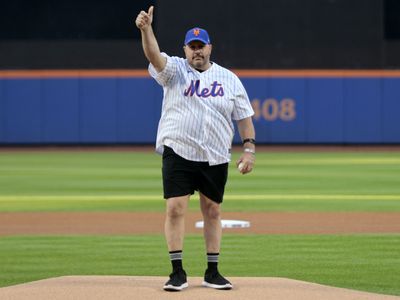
(198, 54)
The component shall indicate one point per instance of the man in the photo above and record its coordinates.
(194, 136)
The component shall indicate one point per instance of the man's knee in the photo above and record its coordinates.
(175, 209)
(212, 210)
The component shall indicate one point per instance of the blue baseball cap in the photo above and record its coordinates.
(197, 34)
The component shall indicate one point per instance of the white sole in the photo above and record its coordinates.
(175, 288)
(227, 286)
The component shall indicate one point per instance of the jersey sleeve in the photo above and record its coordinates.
(164, 77)
(242, 108)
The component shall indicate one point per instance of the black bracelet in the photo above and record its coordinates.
(252, 141)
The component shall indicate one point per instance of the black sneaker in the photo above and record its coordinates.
(216, 281)
(177, 281)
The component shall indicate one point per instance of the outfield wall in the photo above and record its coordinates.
(63, 107)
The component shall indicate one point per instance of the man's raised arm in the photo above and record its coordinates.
(149, 42)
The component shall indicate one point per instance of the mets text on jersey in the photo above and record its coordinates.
(194, 88)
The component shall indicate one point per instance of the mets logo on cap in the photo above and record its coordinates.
(197, 34)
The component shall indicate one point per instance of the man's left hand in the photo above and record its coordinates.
(247, 160)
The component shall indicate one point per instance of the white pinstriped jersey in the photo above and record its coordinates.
(198, 109)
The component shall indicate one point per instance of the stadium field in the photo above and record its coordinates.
(34, 182)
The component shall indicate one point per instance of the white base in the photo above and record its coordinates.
(227, 224)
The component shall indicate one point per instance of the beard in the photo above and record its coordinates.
(198, 62)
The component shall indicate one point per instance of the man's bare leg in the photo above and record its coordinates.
(174, 233)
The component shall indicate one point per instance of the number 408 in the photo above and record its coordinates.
(272, 109)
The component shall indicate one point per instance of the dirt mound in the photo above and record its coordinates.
(132, 287)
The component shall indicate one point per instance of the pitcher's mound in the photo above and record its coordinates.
(135, 287)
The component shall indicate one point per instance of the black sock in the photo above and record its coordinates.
(212, 261)
(176, 259)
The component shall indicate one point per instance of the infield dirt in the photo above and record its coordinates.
(23, 223)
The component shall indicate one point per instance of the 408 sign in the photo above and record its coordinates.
(272, 109)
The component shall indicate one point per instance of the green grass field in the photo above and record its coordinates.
(124, 181)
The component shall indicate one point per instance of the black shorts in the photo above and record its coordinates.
(182, 177)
